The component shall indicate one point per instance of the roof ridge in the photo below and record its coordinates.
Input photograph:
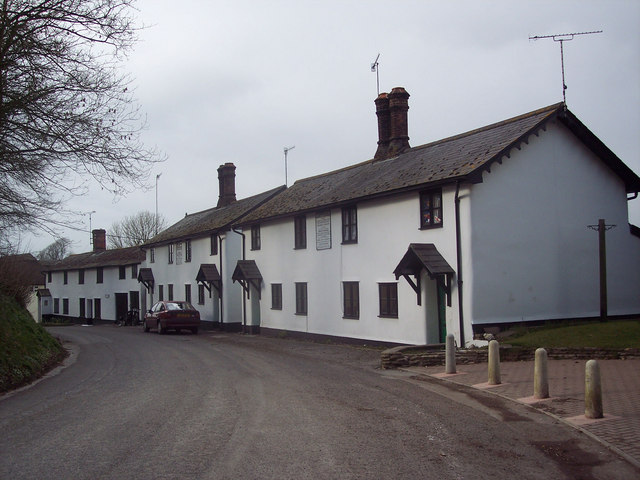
(550, 108)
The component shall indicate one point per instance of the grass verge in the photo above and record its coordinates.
(28, 350)
(618, 334)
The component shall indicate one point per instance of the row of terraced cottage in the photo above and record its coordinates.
(485, 228)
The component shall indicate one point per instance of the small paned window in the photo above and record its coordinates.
(300, 232)
(255, 237)
(276, 296)
(65, 306)
(80, 277)
(170, 250)
(388, 293)
(170, 291)
(134, 271)
(187, 293)
(99, 274)
(49, 277)
(160, 293)
(187, 250)
(351, 299)
(214, 244)
(200, 294)
(152, 255)
(431, 209)
(122, 272)
(350, 224)
(65, 278)
(301, 298)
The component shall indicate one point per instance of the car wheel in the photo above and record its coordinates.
(161, 330)
(145, 327)
(194, 330)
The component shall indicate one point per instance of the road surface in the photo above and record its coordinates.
(228, 406)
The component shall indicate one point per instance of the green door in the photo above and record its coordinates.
(442, 314)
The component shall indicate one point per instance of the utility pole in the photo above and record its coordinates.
(157, 177)
(601, 228)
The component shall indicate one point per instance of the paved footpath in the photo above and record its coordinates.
(620, 427)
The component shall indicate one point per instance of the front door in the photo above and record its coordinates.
(121, 306)
(442, 312)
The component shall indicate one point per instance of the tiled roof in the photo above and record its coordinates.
(463, 156)
(213, 219)
(29, 268)
(103, 258)
(422, 255)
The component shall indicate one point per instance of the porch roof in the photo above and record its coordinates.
(208, 272)
(423, 255)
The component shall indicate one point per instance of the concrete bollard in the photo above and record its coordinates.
(450, 355)
(540, 375)
(494, 363)
(592, 391)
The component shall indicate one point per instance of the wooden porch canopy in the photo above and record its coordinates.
(247, 274)
(425, 256)
(145, 276)
(209, 276)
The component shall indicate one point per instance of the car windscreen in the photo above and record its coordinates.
(179, 306)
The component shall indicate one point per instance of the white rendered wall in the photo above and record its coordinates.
(181, 273)
(91, 290)
(533, 255)
(385, 230)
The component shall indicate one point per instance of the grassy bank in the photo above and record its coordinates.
(618, 334)
(28, 350)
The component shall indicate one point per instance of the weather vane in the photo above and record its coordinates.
(563, 37)
(374, 68)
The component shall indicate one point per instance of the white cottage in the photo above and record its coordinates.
(193, 259)
(97, 285)
(486, 228)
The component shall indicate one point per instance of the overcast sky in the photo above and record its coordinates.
(237, 81)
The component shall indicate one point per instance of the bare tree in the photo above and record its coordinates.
(56, 251)
(65, 108)
(135, 229)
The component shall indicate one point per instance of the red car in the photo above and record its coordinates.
(176, 315)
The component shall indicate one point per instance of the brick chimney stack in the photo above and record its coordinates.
(99, 240)
(227, 184)
(384, 126)
(398, 108)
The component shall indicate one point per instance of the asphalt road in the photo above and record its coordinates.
(215, 406)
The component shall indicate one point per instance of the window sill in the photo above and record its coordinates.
(277, 309)
(388, 316)
(350, 242)
(430, 227)
(299, 314)
(344, 317)
(299, 248)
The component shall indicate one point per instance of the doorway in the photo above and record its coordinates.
(121, 306)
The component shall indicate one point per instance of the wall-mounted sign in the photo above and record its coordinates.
(323, 230)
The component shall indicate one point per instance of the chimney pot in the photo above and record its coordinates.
(99, 240)
(227, 184)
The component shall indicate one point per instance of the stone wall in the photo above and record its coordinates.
(433, 355)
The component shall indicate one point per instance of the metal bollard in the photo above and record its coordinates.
(494, 363)
(540, 375)
(592, 391)
(450, 355)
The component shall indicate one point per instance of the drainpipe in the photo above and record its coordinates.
(244, 298)
(221, 284)
(459, 263)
